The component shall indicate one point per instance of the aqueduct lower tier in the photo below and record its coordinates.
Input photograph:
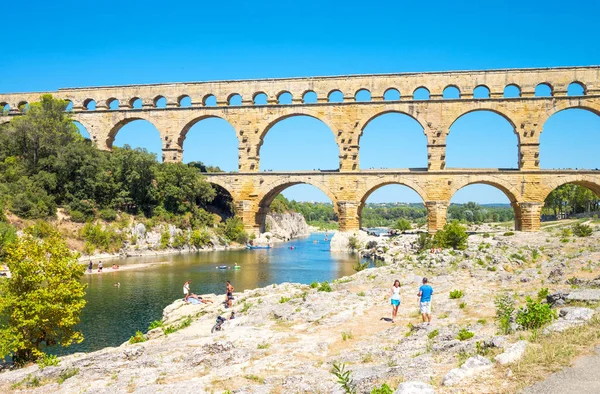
(253, 192)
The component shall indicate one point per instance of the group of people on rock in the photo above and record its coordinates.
(91, 266)
(424, 296)
(187, 294)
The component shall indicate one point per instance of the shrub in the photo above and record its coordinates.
(233, 230)
(360, 266)
(41, 229)
(108, 214)
(78, 217)
(534, 314)
(314, 285)
(353, 243)
(180, 240)
(283, 300)
(199, 238)
(155, 324)
(403, 225)
(424, 242)
(324, 287)
(455, 294)
(582, 230)
(505, 307)
(138, 338)
(509, 233)
(433, 334)
(347, 335)
(453, 235)
(462, 305)
(565, 233)
(371, 244)
(384, 389)
(542, 294)
(344, 378)
(48, 360)
(464, 334)
(361, 294)
(66, 374)
(106, 240)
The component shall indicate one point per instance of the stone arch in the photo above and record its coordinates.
(273, 121)
(209, 100)
(310, 97)
(160, 101)
(273, 189)
(391, 94)
(421, 91)
(481, 92)
(112, 103)
(335, 92)
(88, 104)
(362, 95)
(258, 97)
(588, 181)
(381, 183)
(110, 138)
(135, 103)
(234, 99)
(184, 101)
(391, 111)
(571, 104)
(222, 183)
(4, 108)
(512, 90)
(491, 109)
(189, 123)
(576, 86)
(450, 91)
(509, 190)
(284, 94)
(544, 89)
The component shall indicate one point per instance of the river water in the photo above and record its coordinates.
(113, 314)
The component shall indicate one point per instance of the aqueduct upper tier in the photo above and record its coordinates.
(115, 106)
(252, 107)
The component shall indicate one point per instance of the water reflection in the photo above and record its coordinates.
(113, 314)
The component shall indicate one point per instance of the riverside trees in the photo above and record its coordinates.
(40, 304)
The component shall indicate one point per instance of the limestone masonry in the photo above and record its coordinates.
(349, 187)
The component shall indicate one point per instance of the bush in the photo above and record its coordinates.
(106, 240)
(48, 360)
(155, 324)
(403, 225)
(534, 314)
(433, 334)
(542, 294)
(138, 338)
(165, 239)
(464, 334)
(371, 244)
(424, 242)
(199, 238)
(565, 233)
(455, 294)
(324, 287)
(360, 266)
(509, 233)
(505, 307)
(41, 229)
(283, 300)
(8, 235)
(353, 243)
(108, 214)
(233, 230)
(78, 217)
(180, 240)
(453, 235)
(384, 389)
(582, 230)
(314, 285)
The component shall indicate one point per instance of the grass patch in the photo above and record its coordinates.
(263, 345)
(456, 294)
(176, 327)
(255, 378)
(464, 334)
(66, 374)
(283, 300)
(346, 335)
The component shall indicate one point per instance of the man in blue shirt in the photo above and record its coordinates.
(425, 292)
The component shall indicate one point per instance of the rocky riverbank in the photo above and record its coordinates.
(286, 338)
(282, 227)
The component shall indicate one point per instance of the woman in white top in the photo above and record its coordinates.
(395, 299)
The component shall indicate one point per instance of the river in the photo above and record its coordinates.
(113, 314)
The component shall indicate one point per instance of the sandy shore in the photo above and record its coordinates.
(108, 269)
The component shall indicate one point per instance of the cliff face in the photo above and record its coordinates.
(282, 227)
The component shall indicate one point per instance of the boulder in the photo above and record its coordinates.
(512, 353)
(570, 317)
(414, 387)
(584, 295)
(473, 366)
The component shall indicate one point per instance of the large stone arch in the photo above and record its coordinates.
(371, 188)
(574, 103)
(509, 117)
(114, 130)
(273, 120)
(374, 115)
(271, 190)
(591, 182)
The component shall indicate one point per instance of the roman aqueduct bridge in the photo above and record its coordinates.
(103, 111)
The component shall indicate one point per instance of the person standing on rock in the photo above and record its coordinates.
(90, 266)
(395, 299)
(229, 297)
(425, 292)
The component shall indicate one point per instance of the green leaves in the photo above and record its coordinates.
(41, 303)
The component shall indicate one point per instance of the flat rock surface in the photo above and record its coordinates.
(582, 378)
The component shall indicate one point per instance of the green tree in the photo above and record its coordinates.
(453, 235)
(403, 225)
(41, 303)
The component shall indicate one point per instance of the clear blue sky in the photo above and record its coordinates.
(52, 45)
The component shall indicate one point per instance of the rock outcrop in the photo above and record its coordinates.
(283, 227)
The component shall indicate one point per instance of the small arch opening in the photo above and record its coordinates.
(260, 99)
(543, 90)
(391, 95)
(421, 94)
(235, 100)
(68, 108)
(184, 101)
(209, 100)
(336, 96)
(481, 92)
(23, 106)
(135, 103)
(113, 103)
(284, 98)
(451, 93)
(512, 91)
(309, 97)
(89, 105)
(576, 89)
(82, 130)
(363, 95)
(4, 108)
(160, 102)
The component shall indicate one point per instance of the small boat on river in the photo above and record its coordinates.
(222, 267)
(252, 247)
